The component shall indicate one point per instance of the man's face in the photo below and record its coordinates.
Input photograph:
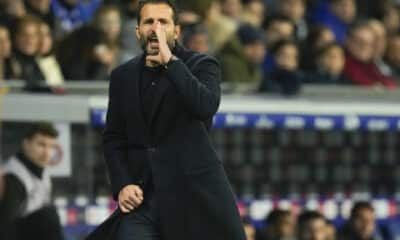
(255, 52)
(287, 57)
(393, 53)
(294, 9)
(199, 43)
(39, 149)
(314, 230)
(286, 227)
(361, 44)
(5, 43)
(333, 61)
(380, 38)
(27, 39)
(345, 10)
(145, 31)
(279, 30)
(364, 223)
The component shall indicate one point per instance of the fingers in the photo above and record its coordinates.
(126, 206)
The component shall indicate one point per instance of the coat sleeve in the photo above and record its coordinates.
(200, 90)
(114, 138)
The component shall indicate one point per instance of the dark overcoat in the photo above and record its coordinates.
(191, 189)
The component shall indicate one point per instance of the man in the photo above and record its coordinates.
(361, 225)
(312, 225)
(25, 209)
(241, 59)
(360, 67)
(164, 173)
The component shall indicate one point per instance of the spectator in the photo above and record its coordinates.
(83, 55)
(73, 13)
(232, 9)
(285, 78)
(275, 28)
(26, 203)
(26, 46)
(5, 54)
(249, 230)
(361, 225)
(391, 19)
(360, 67)
(279, 225)
(241, 58)
(318, 37)
(253, 12)
(393, 55)
(330, 65)
(42, 10)
(380, 46)
(46, 59)
(312, 226)
(338, 15)
(129, 41)
(195, 37)
(12, 11)
(295, 10)
(108, 21)
(220, 27)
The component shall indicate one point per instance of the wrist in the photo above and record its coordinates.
(171, 59)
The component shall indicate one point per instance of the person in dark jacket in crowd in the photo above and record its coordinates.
(285, 78)
(312, 225)
(25, 209)
(164, 171)
(279, 225)
(330, 64)
(361, 224)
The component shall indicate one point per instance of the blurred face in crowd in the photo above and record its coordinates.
(363, 223)
(287, 57)
(199, 43)
(380, 38)
(5, 43)
(279, 30)
(109, 22)
(232, 8)
(41, 5)
(314, 229)
(27, 39)
(15, 8)
(332, 60)
(255, 52)
(250, 232)
(46, 40)
(294, 9)
(391, 20)
(286, 226)
(145, 31)
(393, 51)
(326, 37)
(361, 44)
(40, 149)
(256, 9)
(345, 10)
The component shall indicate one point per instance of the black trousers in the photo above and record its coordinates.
(142, 223)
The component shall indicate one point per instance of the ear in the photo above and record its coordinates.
(177, 32)
(137, 32)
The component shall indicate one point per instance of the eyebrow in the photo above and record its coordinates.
(153, 19)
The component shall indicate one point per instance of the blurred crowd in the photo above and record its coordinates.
(262, 45)
(312, 225)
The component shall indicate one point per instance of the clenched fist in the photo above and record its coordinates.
(129, 198)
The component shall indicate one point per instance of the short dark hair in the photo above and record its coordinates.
(171, 4)
(275, 18)
(359, 206)
(43, 128)
(307, 216)
(282, 43)
(326, 48)
(276, 216)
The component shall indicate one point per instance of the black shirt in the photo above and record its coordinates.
(148, 84)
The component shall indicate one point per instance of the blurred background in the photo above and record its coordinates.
(309, 119)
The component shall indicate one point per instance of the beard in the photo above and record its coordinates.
(149, 43)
